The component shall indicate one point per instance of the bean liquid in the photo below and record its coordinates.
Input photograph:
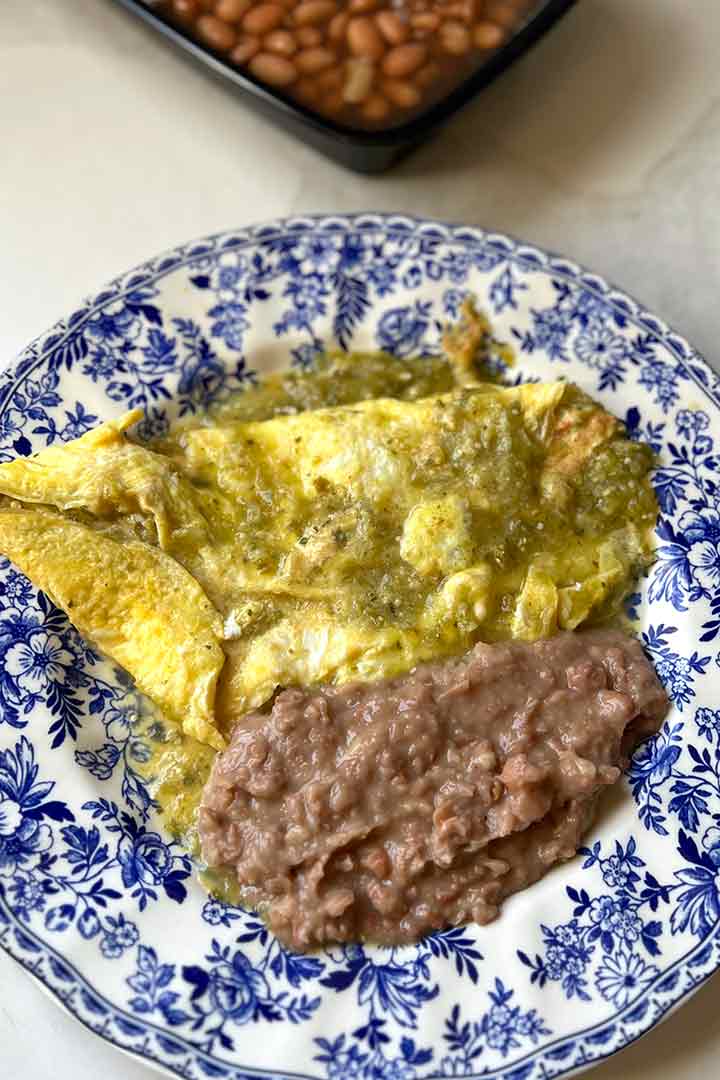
(369, 64)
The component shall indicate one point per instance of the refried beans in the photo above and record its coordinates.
(382, 811)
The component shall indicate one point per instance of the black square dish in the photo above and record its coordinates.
(362, 148)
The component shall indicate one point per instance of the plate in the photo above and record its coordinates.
(102, 907)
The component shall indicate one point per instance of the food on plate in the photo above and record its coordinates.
(382, 811)
(136, 604)
(366, 63)
(330, 529)
(355, 541)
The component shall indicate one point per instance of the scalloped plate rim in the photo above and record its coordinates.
(539, 259)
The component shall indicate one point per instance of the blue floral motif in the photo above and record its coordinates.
(676, 672)
(217, 913)
(27, 894)
(36, 883)
(203, 378)
(44, 661)
(29, 406)
(235, 987)
(617, 920)
(142, 860)
(349, 269)
(15, 590)
(653, 763)
(611, 925)
(150, 983)
(11, 425)
(503, 292)
(688, 567)
(394, 986)
(708, 722)
(230, 323)
(132, 363)
(38, 662)
(550, 332)
(24, 836)
(401, 330)
(578, 325)
(364, 1053)
(623, 976)
(77, 423)
(649, 433)
(694, 790)
(452, 301)
(601, 348)
(232, 991)
(118, 936)
(305, 356)
(146, 862)
(698, 886)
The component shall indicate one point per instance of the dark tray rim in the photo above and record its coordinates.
(409, 131)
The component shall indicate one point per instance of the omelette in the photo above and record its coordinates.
(333, 526)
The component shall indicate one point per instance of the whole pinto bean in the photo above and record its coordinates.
(454, 38)
(184, 9)
(311, 12)
(375, 108)
(425, 21)
(359, 78)
(403, 60)
(503, 12)
(488, 35)
(465, 11)
(231, 10)
(403, 94)
(310, 61)
(364, 38)
(273, 70)
(216, 33)
(245, 50)
(263, 18)
(281, 42)
(392, 27)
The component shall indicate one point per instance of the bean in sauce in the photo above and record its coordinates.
(366, 63)
(308, 36)
(281, 42)
(273, 69)
(232, 11)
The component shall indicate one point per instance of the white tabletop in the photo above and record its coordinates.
(603, 144)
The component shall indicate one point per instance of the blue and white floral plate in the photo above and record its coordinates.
(103, 908)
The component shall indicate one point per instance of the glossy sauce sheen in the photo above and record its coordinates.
(384, 811)
(365, 63)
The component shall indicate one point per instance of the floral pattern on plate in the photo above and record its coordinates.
(103, 907)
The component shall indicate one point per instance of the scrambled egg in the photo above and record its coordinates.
(335, 543)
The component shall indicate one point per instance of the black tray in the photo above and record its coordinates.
(363, 151)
